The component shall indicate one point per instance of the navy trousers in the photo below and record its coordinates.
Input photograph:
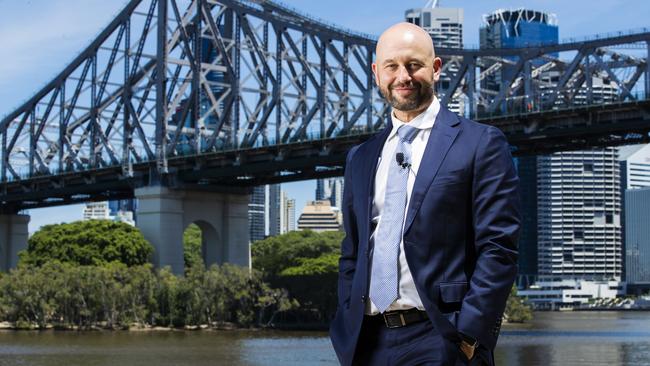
(415, 344)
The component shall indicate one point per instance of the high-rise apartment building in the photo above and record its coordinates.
(579, 215)
(445, 25)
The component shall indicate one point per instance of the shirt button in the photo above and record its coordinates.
(363, 299)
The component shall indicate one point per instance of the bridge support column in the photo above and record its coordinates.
(164, 214)
(13, 238)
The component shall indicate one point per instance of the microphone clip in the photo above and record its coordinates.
(399, 157)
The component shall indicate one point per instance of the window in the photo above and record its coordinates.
(578, 234)
(609, 219)
(426, 19)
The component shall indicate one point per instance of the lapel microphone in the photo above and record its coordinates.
(399, 157)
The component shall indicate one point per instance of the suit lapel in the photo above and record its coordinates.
(440, 140)
(369, 165)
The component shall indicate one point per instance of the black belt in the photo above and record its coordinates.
(402, 318)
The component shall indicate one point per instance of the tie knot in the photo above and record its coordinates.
(407, 133)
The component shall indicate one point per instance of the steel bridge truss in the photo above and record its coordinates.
(169, 79)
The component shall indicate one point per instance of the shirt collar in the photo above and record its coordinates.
(423, 121)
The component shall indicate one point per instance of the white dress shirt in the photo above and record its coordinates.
(408, 295)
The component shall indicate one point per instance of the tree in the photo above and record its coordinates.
(192, 243)
(298, 260)
(274, 254)
(516, 310)
(92, 242)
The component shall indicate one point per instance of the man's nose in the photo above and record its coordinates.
(403, 75)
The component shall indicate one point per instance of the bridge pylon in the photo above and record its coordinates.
(13, 238)
(164, 214)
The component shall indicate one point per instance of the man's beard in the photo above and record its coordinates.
(423, 94)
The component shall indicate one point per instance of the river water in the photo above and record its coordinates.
(553, 338)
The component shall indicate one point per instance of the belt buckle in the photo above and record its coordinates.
(401, 318)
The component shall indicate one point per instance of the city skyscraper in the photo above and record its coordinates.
(635, 174)
(289, 207)
(330, 189)
(257, 213)
(512, 29)
(445, 25)
(579, 215)
(270, 212)
(275, 210)
(637, 237)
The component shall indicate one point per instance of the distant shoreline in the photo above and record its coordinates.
(8, 326)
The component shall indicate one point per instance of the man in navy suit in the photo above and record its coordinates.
(432, 290)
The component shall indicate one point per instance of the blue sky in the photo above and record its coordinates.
(39, 37)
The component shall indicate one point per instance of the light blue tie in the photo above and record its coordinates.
(384, 284)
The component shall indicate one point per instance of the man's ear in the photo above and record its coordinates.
(437, 68)
(374, 71)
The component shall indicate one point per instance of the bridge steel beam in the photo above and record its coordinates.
(177, 92)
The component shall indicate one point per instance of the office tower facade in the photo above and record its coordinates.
(635, 167)
(635, 174)
(527, 171)
(257, 213)
(579, 215)
(445, 25)
(276, 213)
(516, 29)
(319, 216)
(330, 189)
(270, 212)
(637, 237)
(512, 29)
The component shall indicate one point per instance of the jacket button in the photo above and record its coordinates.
(363, 299)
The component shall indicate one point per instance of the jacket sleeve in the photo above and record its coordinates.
(350, 243)
(496, 221)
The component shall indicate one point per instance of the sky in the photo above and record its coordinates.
(38, 38)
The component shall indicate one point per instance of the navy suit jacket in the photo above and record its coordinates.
(460, 232)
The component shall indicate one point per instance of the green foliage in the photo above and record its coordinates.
(325, 264)
(516, 310)
(117, 296)
(92, 242)
(298, 260)
(192, 244)
(274, 254)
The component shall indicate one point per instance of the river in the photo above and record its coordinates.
(553, 338)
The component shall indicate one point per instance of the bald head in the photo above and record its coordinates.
(404, 35)
(406, 69)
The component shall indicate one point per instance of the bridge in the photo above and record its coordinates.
(187, 104)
